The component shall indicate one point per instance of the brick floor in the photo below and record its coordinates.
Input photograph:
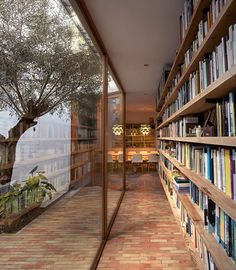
(65, 237)
(145, 234)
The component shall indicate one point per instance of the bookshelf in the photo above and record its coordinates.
(135, 139)
(221, 259)
(194, 70)
(221, 141)
(219, 88)
(219, 197)
(84, 141)
(217, 30)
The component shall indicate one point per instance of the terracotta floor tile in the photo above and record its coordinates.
(145, 234)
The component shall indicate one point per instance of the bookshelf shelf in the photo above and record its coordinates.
(193, 251)
(223, 262)
(189, 35)
(217, 30)
(217, 89)
(220, 141)
(218, 196)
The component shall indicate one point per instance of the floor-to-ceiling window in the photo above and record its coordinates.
(115, 145)
(51, 133)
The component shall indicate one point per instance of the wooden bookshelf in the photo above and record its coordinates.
(217, 30)
(221, 259)
(219, 141)
(212, 191)
(188, 241)
(218, 89)
(188, 38)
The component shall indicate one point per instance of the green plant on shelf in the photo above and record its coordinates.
(20, 197)
(175, 174)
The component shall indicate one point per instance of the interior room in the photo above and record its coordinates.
(118, 134)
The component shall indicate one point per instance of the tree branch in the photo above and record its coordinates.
(44, 87)
(12, 101)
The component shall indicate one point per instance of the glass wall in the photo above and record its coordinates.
(51, 150)
(115, 145)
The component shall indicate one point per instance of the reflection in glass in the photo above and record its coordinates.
(115, 146)
(50, 132)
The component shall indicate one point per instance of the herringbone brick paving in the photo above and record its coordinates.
(145, 234)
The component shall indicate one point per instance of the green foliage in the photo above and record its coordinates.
(175, 174)
(36, 185)
(44, 59)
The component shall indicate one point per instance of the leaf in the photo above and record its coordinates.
(33, 170)
(42, 176)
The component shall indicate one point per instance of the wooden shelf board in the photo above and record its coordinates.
(213, 37)
(219, 197)
(217, 89)
(219, 141)
(222, 260)
(189, 36)
(193, 251)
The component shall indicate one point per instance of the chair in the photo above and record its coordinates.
(144, 154)
(120, 160)
(110, 161)
(152, 160)
(137, 161)
(130, 155)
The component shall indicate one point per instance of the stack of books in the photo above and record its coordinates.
(182, 184)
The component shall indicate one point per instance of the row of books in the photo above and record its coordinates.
(209, 16)
(81, 171)
(185, 127)
(212, 66)
(191, 230)
(162, 81)
(220, 60)
(221, 120)
(81, 157)
(167, 163)
(216, 164)
(189, 227)
(186, 16)
(225, 114)
(216, 221)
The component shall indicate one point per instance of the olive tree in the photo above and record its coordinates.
(44, 64)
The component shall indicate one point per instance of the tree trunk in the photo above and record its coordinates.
(9, 147)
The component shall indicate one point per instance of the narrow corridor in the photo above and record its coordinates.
(145, 234)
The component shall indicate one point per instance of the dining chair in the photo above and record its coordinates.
(137, 161)
(152, 160)
(110, 161)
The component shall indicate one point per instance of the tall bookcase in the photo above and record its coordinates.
(85, 134)
(203, 78)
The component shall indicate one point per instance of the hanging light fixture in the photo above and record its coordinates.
(145, 129)
(117, 129)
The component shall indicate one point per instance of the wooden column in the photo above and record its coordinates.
(104, 144)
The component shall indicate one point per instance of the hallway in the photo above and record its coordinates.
(145, 234)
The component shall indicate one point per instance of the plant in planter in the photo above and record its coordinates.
(20, 198)
(37, 187)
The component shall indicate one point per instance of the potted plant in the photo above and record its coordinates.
(20, 199)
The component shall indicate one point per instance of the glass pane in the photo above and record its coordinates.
(50, 137)
(115, 146)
